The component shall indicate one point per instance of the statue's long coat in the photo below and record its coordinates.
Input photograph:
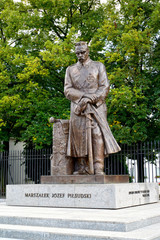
(79, 80)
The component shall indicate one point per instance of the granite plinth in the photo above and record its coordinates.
(107, 196)
(73, 179)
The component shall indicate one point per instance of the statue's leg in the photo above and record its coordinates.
(98, 150)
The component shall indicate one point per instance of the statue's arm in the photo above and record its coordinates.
(70, 91)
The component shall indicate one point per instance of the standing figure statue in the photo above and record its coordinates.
(90, 138)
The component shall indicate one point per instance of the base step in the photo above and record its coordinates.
(10, 239)
(100, 225)
(122, 220)
(28, 223)
(44, 233)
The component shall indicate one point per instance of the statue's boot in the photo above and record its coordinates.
(87, 169)
(81, 162)
(99, 167)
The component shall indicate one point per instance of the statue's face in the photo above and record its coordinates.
(82, 53)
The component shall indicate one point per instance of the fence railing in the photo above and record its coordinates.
(141, 161)
(23, 167)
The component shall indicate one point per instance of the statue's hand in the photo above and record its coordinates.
(84, 101)
(82, 105)
(91, 96)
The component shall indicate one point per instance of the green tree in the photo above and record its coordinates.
(37, 41)
(128, 39)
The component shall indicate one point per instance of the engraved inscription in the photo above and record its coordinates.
(76, 195)
(57, 195)
(145, 193)
(37, 195)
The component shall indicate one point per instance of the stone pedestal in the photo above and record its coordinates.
(107, 196)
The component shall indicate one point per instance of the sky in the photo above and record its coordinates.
(103, 1)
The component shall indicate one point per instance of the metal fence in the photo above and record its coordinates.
(141, 161)
(23, 167)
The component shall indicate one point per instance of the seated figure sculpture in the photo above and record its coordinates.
(90, 138)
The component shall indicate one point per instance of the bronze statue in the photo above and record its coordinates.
(90, 138)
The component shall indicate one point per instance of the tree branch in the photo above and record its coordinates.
(89, 6)
(3, 37)
(56, 27)
(71, 13)
(15, 41)
(81, 13)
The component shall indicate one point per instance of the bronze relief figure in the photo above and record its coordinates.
(90, 138)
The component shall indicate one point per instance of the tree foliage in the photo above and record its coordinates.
(130, 39)
(37, 40)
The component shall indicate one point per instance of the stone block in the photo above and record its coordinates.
(60, 164)
(107, 196)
